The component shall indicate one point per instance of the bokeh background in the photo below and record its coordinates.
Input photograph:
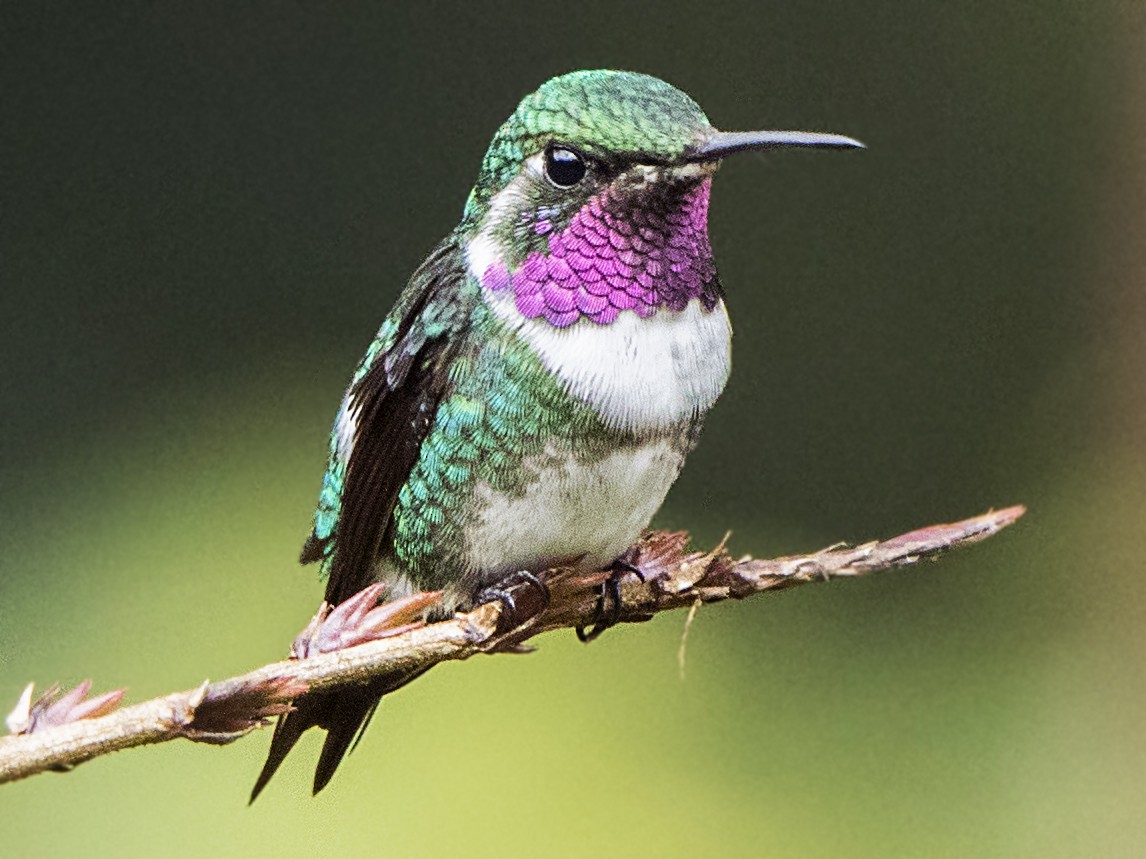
(207, 209)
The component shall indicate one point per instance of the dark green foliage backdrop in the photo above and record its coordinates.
(207, 209)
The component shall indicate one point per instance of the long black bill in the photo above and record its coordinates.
(721, 143)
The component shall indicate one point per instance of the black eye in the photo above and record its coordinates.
(564, 167)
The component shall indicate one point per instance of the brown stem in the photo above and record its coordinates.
(223, 711)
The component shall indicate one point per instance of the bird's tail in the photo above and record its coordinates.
(343, 713)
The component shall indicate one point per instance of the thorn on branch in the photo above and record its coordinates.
(50, 711)
(221, 719)
(682, 572)
(360, 619)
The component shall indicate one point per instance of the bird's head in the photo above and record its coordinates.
(593, 198)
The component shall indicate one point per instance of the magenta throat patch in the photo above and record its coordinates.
(622, 251)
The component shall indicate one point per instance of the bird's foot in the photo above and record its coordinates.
(608, 611)
(361, 619)
(505, 591)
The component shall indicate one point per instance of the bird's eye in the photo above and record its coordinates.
(564, 167)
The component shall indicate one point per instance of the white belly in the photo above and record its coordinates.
(583, 513)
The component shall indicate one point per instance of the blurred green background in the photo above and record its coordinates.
(206, 211)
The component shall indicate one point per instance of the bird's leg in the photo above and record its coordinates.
(611, 592)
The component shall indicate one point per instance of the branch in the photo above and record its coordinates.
(58, 733)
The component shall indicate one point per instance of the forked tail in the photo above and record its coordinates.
(343, 713)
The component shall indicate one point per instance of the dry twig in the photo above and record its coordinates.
(58, 733)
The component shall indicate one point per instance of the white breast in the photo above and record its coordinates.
(640, 375)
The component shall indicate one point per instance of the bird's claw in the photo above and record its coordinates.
(610, 592)
(502, 591)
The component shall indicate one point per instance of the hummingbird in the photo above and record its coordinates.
(532, 395)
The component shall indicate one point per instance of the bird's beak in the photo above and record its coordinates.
(717, 144)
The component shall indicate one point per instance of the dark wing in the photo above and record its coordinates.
(391, 403)
(393, 399)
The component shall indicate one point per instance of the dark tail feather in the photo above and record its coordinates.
(344, 714)
(354, 709)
